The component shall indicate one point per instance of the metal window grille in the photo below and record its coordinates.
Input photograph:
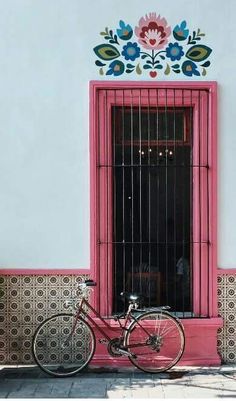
(153, 164)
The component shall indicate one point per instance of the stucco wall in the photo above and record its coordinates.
(46, 62)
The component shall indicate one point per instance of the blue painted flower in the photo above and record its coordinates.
(174, 51)
(189, 68)
(180, 32)
(131, 51)
(125, 32)
(116, 68)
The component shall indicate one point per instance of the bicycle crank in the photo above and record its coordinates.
(115, 348)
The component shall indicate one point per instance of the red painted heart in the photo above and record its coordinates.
(152, 42)
(153, 74)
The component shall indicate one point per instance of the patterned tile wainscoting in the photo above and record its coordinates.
(227, 310)
(25, 301)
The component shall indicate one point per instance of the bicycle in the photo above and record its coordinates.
(151, 338)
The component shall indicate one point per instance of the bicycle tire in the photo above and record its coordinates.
(60, 352)
(156, 341)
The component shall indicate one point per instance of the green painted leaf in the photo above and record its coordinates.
(101, 72)
(198, 52)
(199, 33)
(99, 63)
(138, 70)
(167, 70)
(204, 72)
(115, 39)
(106, 52)
(206, 64)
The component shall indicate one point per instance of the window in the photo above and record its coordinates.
(152, 200)
(154, 124)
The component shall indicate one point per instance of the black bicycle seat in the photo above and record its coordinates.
(90, 283)
(131, 297)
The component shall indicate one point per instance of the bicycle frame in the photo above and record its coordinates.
(129, 319)
(81, 312)
(124, 328)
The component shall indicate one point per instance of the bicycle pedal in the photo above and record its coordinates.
(103, 341)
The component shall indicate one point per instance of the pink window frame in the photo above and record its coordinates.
(101, 217)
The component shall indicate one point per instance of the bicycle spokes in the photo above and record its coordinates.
(157, 340)
(63, 345)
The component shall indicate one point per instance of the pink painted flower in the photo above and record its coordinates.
(152, 31)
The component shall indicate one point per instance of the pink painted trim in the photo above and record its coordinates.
(99, 116)
(221, 271)
(212, 85)
(93, 182)
(28, 272)
(213, 146)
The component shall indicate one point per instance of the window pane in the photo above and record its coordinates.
(149, 124)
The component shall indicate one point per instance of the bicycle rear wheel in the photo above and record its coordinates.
(63, 346)
(156, 339)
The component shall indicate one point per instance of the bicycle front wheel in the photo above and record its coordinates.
(156, 341)
(63, 345)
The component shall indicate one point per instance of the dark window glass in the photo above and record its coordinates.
(152, 124)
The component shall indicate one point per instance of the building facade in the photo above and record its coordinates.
(118, 164)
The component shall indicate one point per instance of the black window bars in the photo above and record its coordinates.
(153, 168)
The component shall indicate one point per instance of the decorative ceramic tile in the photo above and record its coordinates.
(227, 309)
(25, 301)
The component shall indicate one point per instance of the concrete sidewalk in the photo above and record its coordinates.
(182, 382)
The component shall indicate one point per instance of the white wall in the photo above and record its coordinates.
(46, 62)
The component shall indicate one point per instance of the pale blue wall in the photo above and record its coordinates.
(44, 177)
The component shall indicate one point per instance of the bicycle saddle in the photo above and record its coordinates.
(131, 297)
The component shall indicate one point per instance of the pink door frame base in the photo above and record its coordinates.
(200, 345)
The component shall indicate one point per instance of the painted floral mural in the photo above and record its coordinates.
(152, 47)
